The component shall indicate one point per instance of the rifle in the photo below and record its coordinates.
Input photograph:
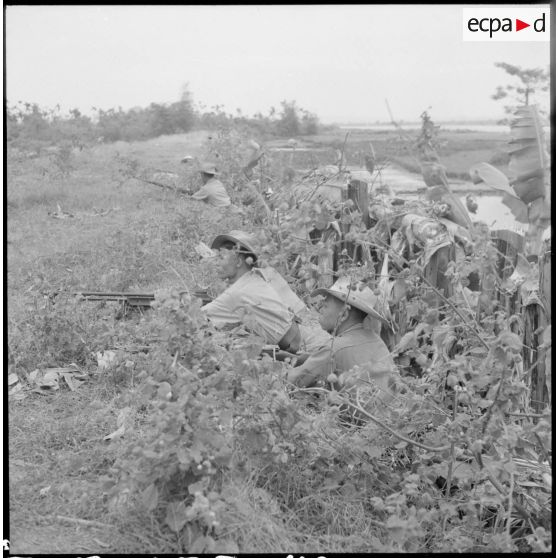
(129, 301)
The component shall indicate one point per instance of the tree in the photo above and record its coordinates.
(532, 82)
(289, 122)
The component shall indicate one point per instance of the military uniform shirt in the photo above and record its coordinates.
(213, 192)
(355, 346)
(253, 301)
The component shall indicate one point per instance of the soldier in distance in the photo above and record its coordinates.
(212, 191)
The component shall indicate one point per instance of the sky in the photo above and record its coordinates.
(340, 62)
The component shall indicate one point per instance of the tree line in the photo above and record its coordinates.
(28, 124)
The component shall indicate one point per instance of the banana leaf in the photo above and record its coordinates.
(529, 161)
(498, 181)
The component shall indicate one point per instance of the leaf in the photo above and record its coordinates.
(203, 250)
(176, 517)
(12, 379)
(73, 380)
(16, 393)
(408, 341)
(197, 487)
(122, 416)
(373, 451)
(150, 497)
(511, 340)
(399, 290)
(529, 164)
(105, 359)
(49, 379)
(164, 391)
(101, 543)
(491, 177)
(116, 434)
(202, 544)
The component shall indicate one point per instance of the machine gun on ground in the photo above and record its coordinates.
(131, 301)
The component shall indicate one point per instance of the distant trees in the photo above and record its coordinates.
(294, 121)
(528, 84)
(28, 123)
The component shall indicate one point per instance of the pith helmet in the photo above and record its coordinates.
(361, 297)
(243, 239)
(208, 168)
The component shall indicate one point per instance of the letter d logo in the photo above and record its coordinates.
(540, 28)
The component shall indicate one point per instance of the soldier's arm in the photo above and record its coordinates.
(318, 366)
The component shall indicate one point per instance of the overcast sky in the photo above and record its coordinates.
(340, 62)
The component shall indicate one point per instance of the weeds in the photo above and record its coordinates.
(214, 455)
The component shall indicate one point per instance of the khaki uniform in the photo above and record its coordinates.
(355, 346)
(251, 300)
(214, 193)
(261, 303)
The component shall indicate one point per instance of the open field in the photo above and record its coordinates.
(81, 223)
(459, 150)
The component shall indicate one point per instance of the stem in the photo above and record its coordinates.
(521, 510)
(491, 408)
(526, 415)
(343, 150)
(510, 503)
(452, 448)
(359, 408)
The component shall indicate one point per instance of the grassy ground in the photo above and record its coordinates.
(121, 235)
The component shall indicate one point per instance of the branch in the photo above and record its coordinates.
(436, 291)
(359, 408)
(87, 522)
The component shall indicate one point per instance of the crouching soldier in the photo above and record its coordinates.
(348, 313)
(251, 298)
(212, 191)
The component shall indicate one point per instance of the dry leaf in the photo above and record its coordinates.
(204, 250)
(105, 359)
(12, 379)
(116, 434)
(72, 380)
(164, 390)
(122, 416)
(49, 380)
(150, 497)
(17, 393)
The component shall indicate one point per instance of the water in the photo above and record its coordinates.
(492, 128)
(492, 211)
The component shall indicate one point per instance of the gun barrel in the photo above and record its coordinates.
(134, 299)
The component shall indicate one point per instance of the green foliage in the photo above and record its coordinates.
(533, 83)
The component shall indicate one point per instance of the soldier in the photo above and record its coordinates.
(251, 298)
(213, 191)
(348, 313)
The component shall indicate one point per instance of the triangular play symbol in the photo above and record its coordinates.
(519, 25)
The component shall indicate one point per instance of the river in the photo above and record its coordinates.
(491, 128)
